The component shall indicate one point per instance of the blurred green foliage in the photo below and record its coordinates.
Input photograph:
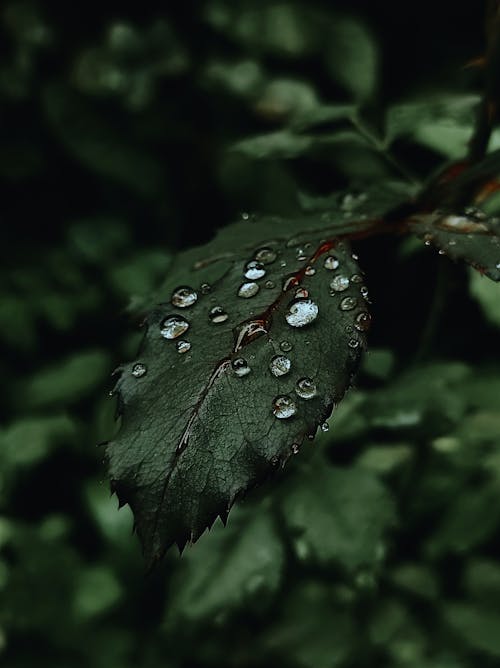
(128, 133)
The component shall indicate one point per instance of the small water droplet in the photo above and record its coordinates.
(183, 347)
(269, 285)
(353, 343)
(306, 388)
(245, 215)
(183, 296)
(364, 291)
(173, 327)
(286, 346)
(348, 303)
(452, 242)
(325, 427)
(339, 283)
(280, 365)
(255, 270)
(240, 367)
(205, 288)
(301, 293)
(354, 256)
(441, 252)
(295, 448)
(284, 407)
(362, 322)
(301, 312)
(301, 255)
(139, 370)
(356, 278)
(248, 290)
(310, 271)
(217, 315)
(266, 255)
(331, 263)
(497, 266)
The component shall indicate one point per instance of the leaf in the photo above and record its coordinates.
(339, 515)
(476, 627)
(200, 428)
(486, 294)
(471, 237)
(236, 568)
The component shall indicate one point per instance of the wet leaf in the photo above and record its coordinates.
(210, 407)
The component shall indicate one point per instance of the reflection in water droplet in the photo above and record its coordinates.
(348, 303)
(248, 290)
(205, 288)
(331, 263)
(306, 388)
(284, 407)
(280, 365)
(269, 285)
(356, 278)
(217, 315)
(173, 327)
(139, 370)
(295, 448)
(353, 343)
(286, 346)
(254, 270)
(266, 255)
(310, 271)
(339, 283)
(325, 427)
(183, 297)
(183, 347)
(362, 322)
(301, 312)
(240, 367)
(301, 293)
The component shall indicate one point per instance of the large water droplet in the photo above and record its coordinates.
(306, 388)
(348, 303)
(173, 327)
(266, 255)
(217, 315)
(254, 270)
(362, 322)
(183, 297)
(240, 367)
(280, 365)
(339, 283)
(139, 370)
(284, 407)
(286, 346)
(331, 263)
(301, 312)
(183, 347)
(248, 290)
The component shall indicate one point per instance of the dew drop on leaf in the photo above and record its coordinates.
(183, 346)
(339, 283)
(348, 303)
(248, 290)
(301, 312)
(301, 293)
(295, 448)
(356, 278)
(306, 388)
(217, 315)
(301, 255)
(331, 263)
(362, 321)
(364, 291)
(183, 297)
(280, 365)
(269, 285)
(240, 367)
(325, 427)
(205, 288)
(266, 255)
(286, 346)
(254, 270)
(353, 343)
(310, 271)
(284, 407)
(173, 327)
(139, 370)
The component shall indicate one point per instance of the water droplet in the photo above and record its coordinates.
(339, 283)
(254, 270)
(301, 293)
(183, 347)
(452, 242)
(306, 388)
(286, 346)
(266, 255)
(173, 327)
(284, 407)
(362, 322)
(248, 290)
(354, 256)
(331, 263)
(295, 448)
(205, 288)
(283, 263)
(280, 365)
(310, 271)
(356, 278)
(325, 427)
(497, 266)
(217, 315)
(364, 291)
(245, 215)
(301, 312)
(183, 297)
(353, 343)
(139, 370)
(301, 255)
(269, 285)
(348, 303)
(240, 367)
